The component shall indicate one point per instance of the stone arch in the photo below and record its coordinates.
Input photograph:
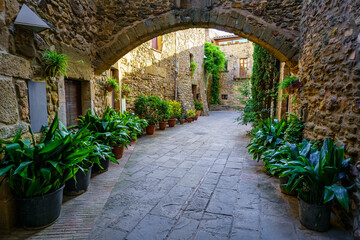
(280, 41)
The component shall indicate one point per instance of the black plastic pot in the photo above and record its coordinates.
(40, 211)
(104, 164)
(314, 217)
(284, 180)
(82, 183)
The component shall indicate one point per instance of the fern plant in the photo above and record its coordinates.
(193, 67)
(56, 65)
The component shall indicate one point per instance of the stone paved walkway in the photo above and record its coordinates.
(197, 181)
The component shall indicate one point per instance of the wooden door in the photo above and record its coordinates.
(73, 101)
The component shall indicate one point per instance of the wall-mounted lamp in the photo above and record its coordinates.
(205, 57)
(29, 20)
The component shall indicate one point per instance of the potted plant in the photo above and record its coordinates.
(147, 108)
(317, 181)
(163, 109)
(125, 90)
(175, 112)
(134, 124)
(290, 83)
(107, 131)
(111, 84)
(182, 118)
(189, 115)
(37, 173)
(199, 107)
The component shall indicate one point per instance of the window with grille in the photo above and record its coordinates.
(243, 67)
(156, 43)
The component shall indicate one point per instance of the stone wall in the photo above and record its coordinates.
(228, 83)
(148, 71)
(330, 73)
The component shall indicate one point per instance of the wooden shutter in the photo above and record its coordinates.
(73, 101)
(243, 67)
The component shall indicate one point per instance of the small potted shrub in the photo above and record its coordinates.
(317, 180)
(182, 118)
(37, 173)
(163, 109)
(175, 112)
(290, 83)
(189, 115)
(134, 124)
(111, 84)
(199, 107)
(147, 108)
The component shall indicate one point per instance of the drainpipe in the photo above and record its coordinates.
(176, 71)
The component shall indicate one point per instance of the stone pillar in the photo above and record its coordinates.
(62, 100)
(281, 103)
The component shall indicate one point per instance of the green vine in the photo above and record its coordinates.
(214, 63)
(264, 90)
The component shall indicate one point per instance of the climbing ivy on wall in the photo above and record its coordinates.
(214, 63)
(264, 87)
(264, 81)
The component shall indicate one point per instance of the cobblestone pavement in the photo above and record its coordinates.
(197, 181)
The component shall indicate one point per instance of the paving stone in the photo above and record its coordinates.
(173, 202)
(131, 216)
(184, 229)
(211, 178)
(228, 182)
(216, 223)
(246, 218)
(222, 201)
(151, 227)
(238, 234)
(277, 228)
(202, 235)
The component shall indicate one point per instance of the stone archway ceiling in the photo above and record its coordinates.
(271, 24)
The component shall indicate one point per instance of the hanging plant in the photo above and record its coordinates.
(56, 65)
(290, 83)
(111, 84)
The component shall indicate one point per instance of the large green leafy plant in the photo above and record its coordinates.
(36, 169)
(108, 129)
(134, 124)
(164, 110)
(268, 135)
(198, 105)
(318, 173)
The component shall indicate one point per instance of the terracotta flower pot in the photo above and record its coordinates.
(150, 129)
(172, 122)
(189, 120)
(118, 151)
(198, 113)
(109, 88)
(196, 117)
(182, 121)
(162, 125)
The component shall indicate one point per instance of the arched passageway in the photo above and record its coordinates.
(253, 23)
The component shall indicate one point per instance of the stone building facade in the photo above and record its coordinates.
(239, 55)
(167, 72)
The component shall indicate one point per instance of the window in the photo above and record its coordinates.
(243, 67)
(224, 96)
(156, 43)
(226, 65)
